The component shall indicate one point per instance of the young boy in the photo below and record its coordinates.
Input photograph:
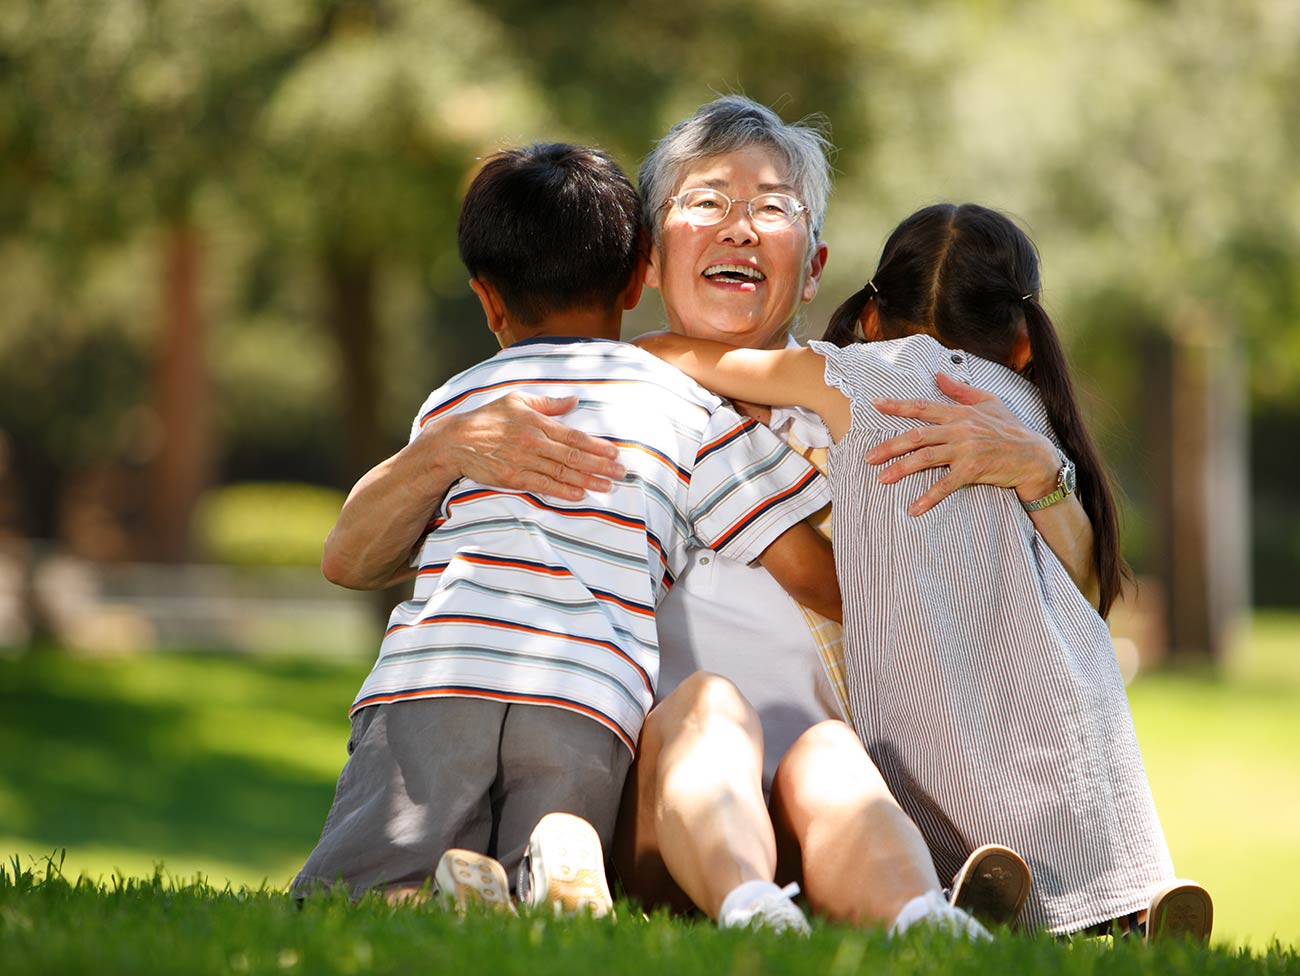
(515, 681)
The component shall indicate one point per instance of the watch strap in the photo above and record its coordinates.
(1064, 486)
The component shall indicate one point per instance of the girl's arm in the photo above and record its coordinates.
(785, 377)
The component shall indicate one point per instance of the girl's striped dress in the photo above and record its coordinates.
(981, 681)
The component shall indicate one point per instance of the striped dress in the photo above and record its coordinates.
(981, 681)
(525, 599)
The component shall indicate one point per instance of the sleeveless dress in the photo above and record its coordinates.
(981, 681)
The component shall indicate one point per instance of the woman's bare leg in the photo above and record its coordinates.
(862, 857)
(693, 819)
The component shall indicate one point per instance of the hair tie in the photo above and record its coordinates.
(872, 285)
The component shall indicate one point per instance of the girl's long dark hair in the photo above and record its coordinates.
(969, 276)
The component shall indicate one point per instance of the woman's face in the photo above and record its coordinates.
(705, 301)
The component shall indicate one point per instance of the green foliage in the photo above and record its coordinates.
(320, 147)
(266, 524)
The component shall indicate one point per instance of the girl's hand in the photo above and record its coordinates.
(978, 438)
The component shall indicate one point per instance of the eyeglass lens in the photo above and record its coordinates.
(703, 206)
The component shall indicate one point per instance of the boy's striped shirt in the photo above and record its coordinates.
(524, 598)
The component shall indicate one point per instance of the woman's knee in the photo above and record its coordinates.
(703, 701)
(828, 765)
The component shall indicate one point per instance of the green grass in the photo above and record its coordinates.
(1223, 757)
(155, 925)
(224, 767)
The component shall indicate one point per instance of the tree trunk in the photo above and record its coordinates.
(182, 400)
(350, 283)
(354, 322)
(1199, 438)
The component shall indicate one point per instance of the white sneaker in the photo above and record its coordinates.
(464, 878)
(773, 910)
(564, 867)
(932, 909)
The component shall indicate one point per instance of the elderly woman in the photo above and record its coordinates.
(747, 752)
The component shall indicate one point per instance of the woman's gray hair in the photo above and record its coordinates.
(729, 124)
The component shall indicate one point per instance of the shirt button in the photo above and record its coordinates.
(704, 560)
(956, 359)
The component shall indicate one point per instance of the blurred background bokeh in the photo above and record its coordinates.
(228, 278)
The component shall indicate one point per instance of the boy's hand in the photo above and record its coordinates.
(513, 443)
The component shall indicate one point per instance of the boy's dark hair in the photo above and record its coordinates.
(969, 276)
(552, 227)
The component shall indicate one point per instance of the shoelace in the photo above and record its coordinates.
(778, 907)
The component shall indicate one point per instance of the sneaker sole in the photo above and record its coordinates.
(567, 867)
(466, 878)
(992, 885)
(1181, 910)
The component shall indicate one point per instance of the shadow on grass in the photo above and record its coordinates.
(82, 768)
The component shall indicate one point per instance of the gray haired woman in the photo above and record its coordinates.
(748, 773)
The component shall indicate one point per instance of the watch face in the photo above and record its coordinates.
(1068, 477)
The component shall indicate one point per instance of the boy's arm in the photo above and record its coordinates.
(509, 443)
(800, 559)
(785, 377)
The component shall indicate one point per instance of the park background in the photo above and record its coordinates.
(228, 278)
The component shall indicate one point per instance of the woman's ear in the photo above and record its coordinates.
(652, 266)
(813, 275)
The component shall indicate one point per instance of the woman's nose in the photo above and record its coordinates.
(737, 227)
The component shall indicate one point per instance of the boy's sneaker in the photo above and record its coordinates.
(1180, 910)
(992, 885)
(933, 910)
(564, 867)
(765, 906)
(465, 878)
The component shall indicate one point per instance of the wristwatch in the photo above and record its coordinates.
(1065, 484)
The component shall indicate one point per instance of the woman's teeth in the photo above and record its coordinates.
(733, 272)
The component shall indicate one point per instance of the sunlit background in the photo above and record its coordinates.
(228, 278)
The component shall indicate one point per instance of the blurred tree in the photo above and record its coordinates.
(368, 139)
(152, 111)
(290, 173)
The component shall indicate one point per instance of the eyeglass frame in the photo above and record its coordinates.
(800, 208)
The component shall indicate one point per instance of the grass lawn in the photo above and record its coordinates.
(143, 926)
(224, 767)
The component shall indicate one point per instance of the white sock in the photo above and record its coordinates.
(932, 908)
(742, 897)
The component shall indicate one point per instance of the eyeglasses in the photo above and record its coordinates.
(705, 207)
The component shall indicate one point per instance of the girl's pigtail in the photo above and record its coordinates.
(1051, 375)
(843, 328)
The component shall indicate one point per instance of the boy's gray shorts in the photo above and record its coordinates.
(434, 773)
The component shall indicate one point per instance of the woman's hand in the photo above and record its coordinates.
(510, 443)
(514, 443)
(978, 438)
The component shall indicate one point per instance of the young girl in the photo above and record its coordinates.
(982, 682)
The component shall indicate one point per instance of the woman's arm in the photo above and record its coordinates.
(984, 443)
(509, 443)
(785, 377)
(801, 560)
